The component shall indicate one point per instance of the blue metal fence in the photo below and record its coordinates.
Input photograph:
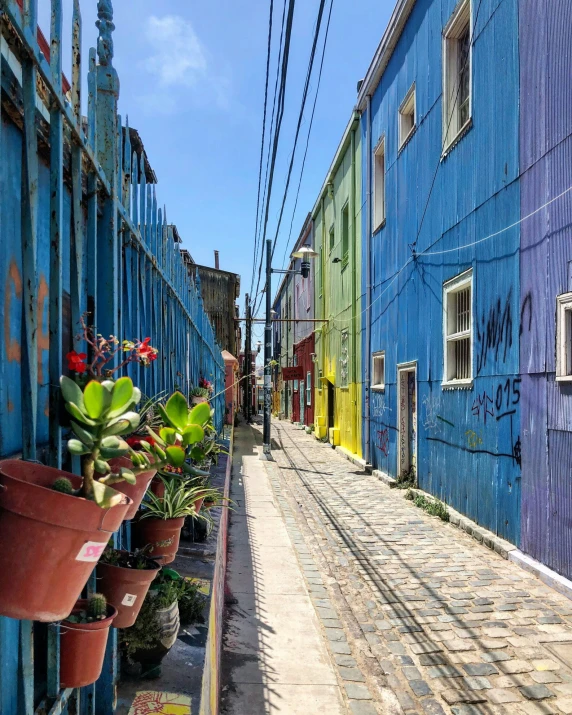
(81, 231)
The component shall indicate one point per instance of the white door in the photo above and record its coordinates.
(407, 420)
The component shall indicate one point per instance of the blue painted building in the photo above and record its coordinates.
(440, 138)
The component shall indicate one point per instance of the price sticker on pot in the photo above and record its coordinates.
(129, 599)
(90, 551)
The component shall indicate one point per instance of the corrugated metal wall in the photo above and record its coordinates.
(468, 440)
(545, 260)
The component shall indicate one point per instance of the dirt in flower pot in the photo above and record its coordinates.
(125, 578)
(83, 640)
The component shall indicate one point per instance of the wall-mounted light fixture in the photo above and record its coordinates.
(337, 259)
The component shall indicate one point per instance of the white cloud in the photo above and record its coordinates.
(177, 55)
(177, 58)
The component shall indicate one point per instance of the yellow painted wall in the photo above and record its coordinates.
(337, 298)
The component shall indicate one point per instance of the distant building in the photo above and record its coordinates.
(220, 290)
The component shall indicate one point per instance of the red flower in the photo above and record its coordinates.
(76, 361)
(135, 441)
(145, 351)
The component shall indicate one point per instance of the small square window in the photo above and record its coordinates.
(564, 337)
(379, 185)
(457, 73)
(407, 117)
(378, 371)
(308, 389)
(458, 330)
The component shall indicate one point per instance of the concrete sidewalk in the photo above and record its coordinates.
(274, 656)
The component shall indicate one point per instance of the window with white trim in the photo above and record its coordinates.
(407, 116)
(308, 388)
(458, 329)
(378, 371)
(564, 337)
(457, 72)
(379, 185)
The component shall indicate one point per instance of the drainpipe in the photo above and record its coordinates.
(367, 356)
(354, 264)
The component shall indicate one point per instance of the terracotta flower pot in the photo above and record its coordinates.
(136, 492)
(158, 487)
(198, 400)
(198, 505)
(162, 535)
(50, 541)
(82, 649)
(125, 589)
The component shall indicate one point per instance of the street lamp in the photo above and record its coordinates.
(306, 253)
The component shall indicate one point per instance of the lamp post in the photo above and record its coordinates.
(306, 254)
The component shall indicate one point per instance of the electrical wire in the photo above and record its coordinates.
(280, 114)
(268, 52)
(297, 134)
(309, 132)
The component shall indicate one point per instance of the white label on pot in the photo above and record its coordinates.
(129, 599)
(90, 551)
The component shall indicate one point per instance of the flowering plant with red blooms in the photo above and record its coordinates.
(206, 385)
(135, 441)
(104, 351)
(76, 362)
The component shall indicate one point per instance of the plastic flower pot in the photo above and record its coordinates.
(50, 541)
(150, 658)
(161, 535)
(198, 400)
(125, 588)
(135, 492)
(82, 649)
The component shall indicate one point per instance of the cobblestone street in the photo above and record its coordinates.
(418, 616)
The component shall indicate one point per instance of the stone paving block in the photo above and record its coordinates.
(545, 665)
(499, 696)
(480, 669)
(340, 648)
(511, 667)
(457, 645)
(536, 692)
(452, 697)
(357, 692)
(335, 634)
(494, 656)
(546, 676)
(351, 674)
(466, 710)
(362, 707)
(444, 671)
(433, 659)
(432, 707)
(411, 673)
(564, 705)
(477, 683)
(346, 661)
(420, 688)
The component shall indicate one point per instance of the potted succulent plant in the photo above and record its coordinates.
(198, 395)
(83, 640)
(162, 517)
(124, 578)
(54, 524)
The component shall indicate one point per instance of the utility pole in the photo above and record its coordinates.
(267, 356)
(246, 367)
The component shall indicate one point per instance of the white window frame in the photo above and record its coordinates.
(450, 288)
(308, 388)
(564, 337)
(379, 356)
(451, 33)
(407, 110)
(378, 203)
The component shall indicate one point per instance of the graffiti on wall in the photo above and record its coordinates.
(382, 441)
(379, 406)
(494, 333)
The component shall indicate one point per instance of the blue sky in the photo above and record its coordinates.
(192, 83)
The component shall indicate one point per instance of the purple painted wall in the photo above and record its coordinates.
(545, 272)
(303, 298)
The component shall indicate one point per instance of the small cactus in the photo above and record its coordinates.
(63, 485)
(97, 607)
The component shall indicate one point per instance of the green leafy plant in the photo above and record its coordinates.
(96, 610)
(178, 499)
(137, 559)
(186, 591)
(199, 392)
(433, 507)
(146, 631)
